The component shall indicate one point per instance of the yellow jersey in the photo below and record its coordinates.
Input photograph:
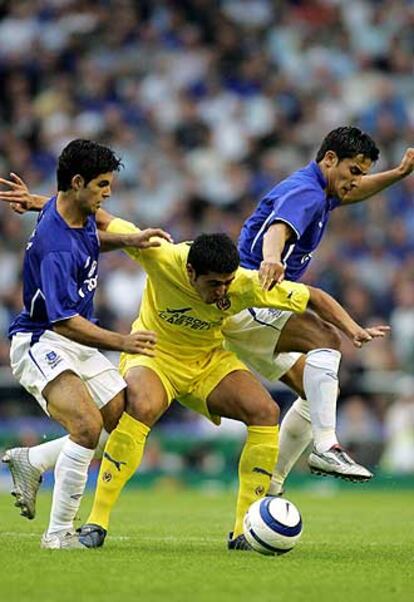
(185, 325)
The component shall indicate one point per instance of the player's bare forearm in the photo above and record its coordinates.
(373, 183)
(274, 241)
(331, 311)
(272, 270)
(142, 239)
(82, 331)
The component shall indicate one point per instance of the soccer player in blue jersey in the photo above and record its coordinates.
(53, 340)
(279, 239)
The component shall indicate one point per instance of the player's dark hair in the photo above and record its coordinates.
(213, 253)
(86, 158)
(348, 142)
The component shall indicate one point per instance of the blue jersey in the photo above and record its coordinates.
(59, 273)
(301, 202)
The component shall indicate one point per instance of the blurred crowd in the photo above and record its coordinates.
(209, 103)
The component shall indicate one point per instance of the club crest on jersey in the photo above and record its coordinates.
(223, 303)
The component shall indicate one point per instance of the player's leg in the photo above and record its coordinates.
(319, 382)
(147, 400)
(70, 404)
(240, 396)
(28, 464)
(295, 429)
(321, 342)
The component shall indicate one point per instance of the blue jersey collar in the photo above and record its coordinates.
(316, 170)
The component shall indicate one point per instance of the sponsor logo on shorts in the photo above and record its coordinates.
(53, 359)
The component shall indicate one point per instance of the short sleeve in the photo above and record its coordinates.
(59, 286)
(287, 296)
(298, 208)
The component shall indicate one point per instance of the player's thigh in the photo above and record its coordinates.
(293, 378)
(70, 403)
(304, 332)
(146, 395)
(240, 396)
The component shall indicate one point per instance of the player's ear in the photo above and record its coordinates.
(331, 158)
(191, 272)
(77, 182)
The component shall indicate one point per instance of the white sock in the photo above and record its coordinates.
(295, 435)
(71, 473)
(103, 438)
(320, 382)
(44, 456)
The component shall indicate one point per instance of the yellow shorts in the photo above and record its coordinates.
(189, 382)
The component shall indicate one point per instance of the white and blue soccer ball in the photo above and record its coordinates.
(272, 525)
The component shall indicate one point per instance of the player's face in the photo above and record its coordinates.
(211, 287)
(91, 196)
(345, 175)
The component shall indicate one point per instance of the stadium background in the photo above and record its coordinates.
(209, 103)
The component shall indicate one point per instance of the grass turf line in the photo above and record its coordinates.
(170, 546)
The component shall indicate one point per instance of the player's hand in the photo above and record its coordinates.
(142, 240)
(17, 194)
(140, 342)
(271, 273)
(365, 335)
(407, 162)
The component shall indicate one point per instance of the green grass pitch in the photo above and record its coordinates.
(169, 546)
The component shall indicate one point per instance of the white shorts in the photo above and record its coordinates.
(253, 334)
(37, 365)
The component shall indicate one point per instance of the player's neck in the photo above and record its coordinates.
(325, 173)
(69, 211)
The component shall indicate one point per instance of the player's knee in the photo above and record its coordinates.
(142, 408)
(265, 413)
(85, 429)
(329, 336)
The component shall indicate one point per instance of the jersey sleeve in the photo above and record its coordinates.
(59, 286)
(288, 296)
(297, 208)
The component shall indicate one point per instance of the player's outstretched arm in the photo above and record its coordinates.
(19, 196)
(272, 270)
(144, 239)
(331, 311)
(82, 331)
(374, 183)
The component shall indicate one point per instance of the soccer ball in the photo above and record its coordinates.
(272, 525)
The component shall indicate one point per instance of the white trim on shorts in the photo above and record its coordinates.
(253, 335)
(34, 366)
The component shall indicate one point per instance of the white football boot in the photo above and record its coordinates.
(337, 463)
(26, 480)
(61, 540)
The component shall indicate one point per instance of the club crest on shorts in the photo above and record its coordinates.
(224, 303)
(53, 359)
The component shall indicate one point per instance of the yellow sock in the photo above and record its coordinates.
(122, 456)
(256, 465)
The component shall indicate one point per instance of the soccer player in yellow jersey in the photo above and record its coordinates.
(191, 289)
